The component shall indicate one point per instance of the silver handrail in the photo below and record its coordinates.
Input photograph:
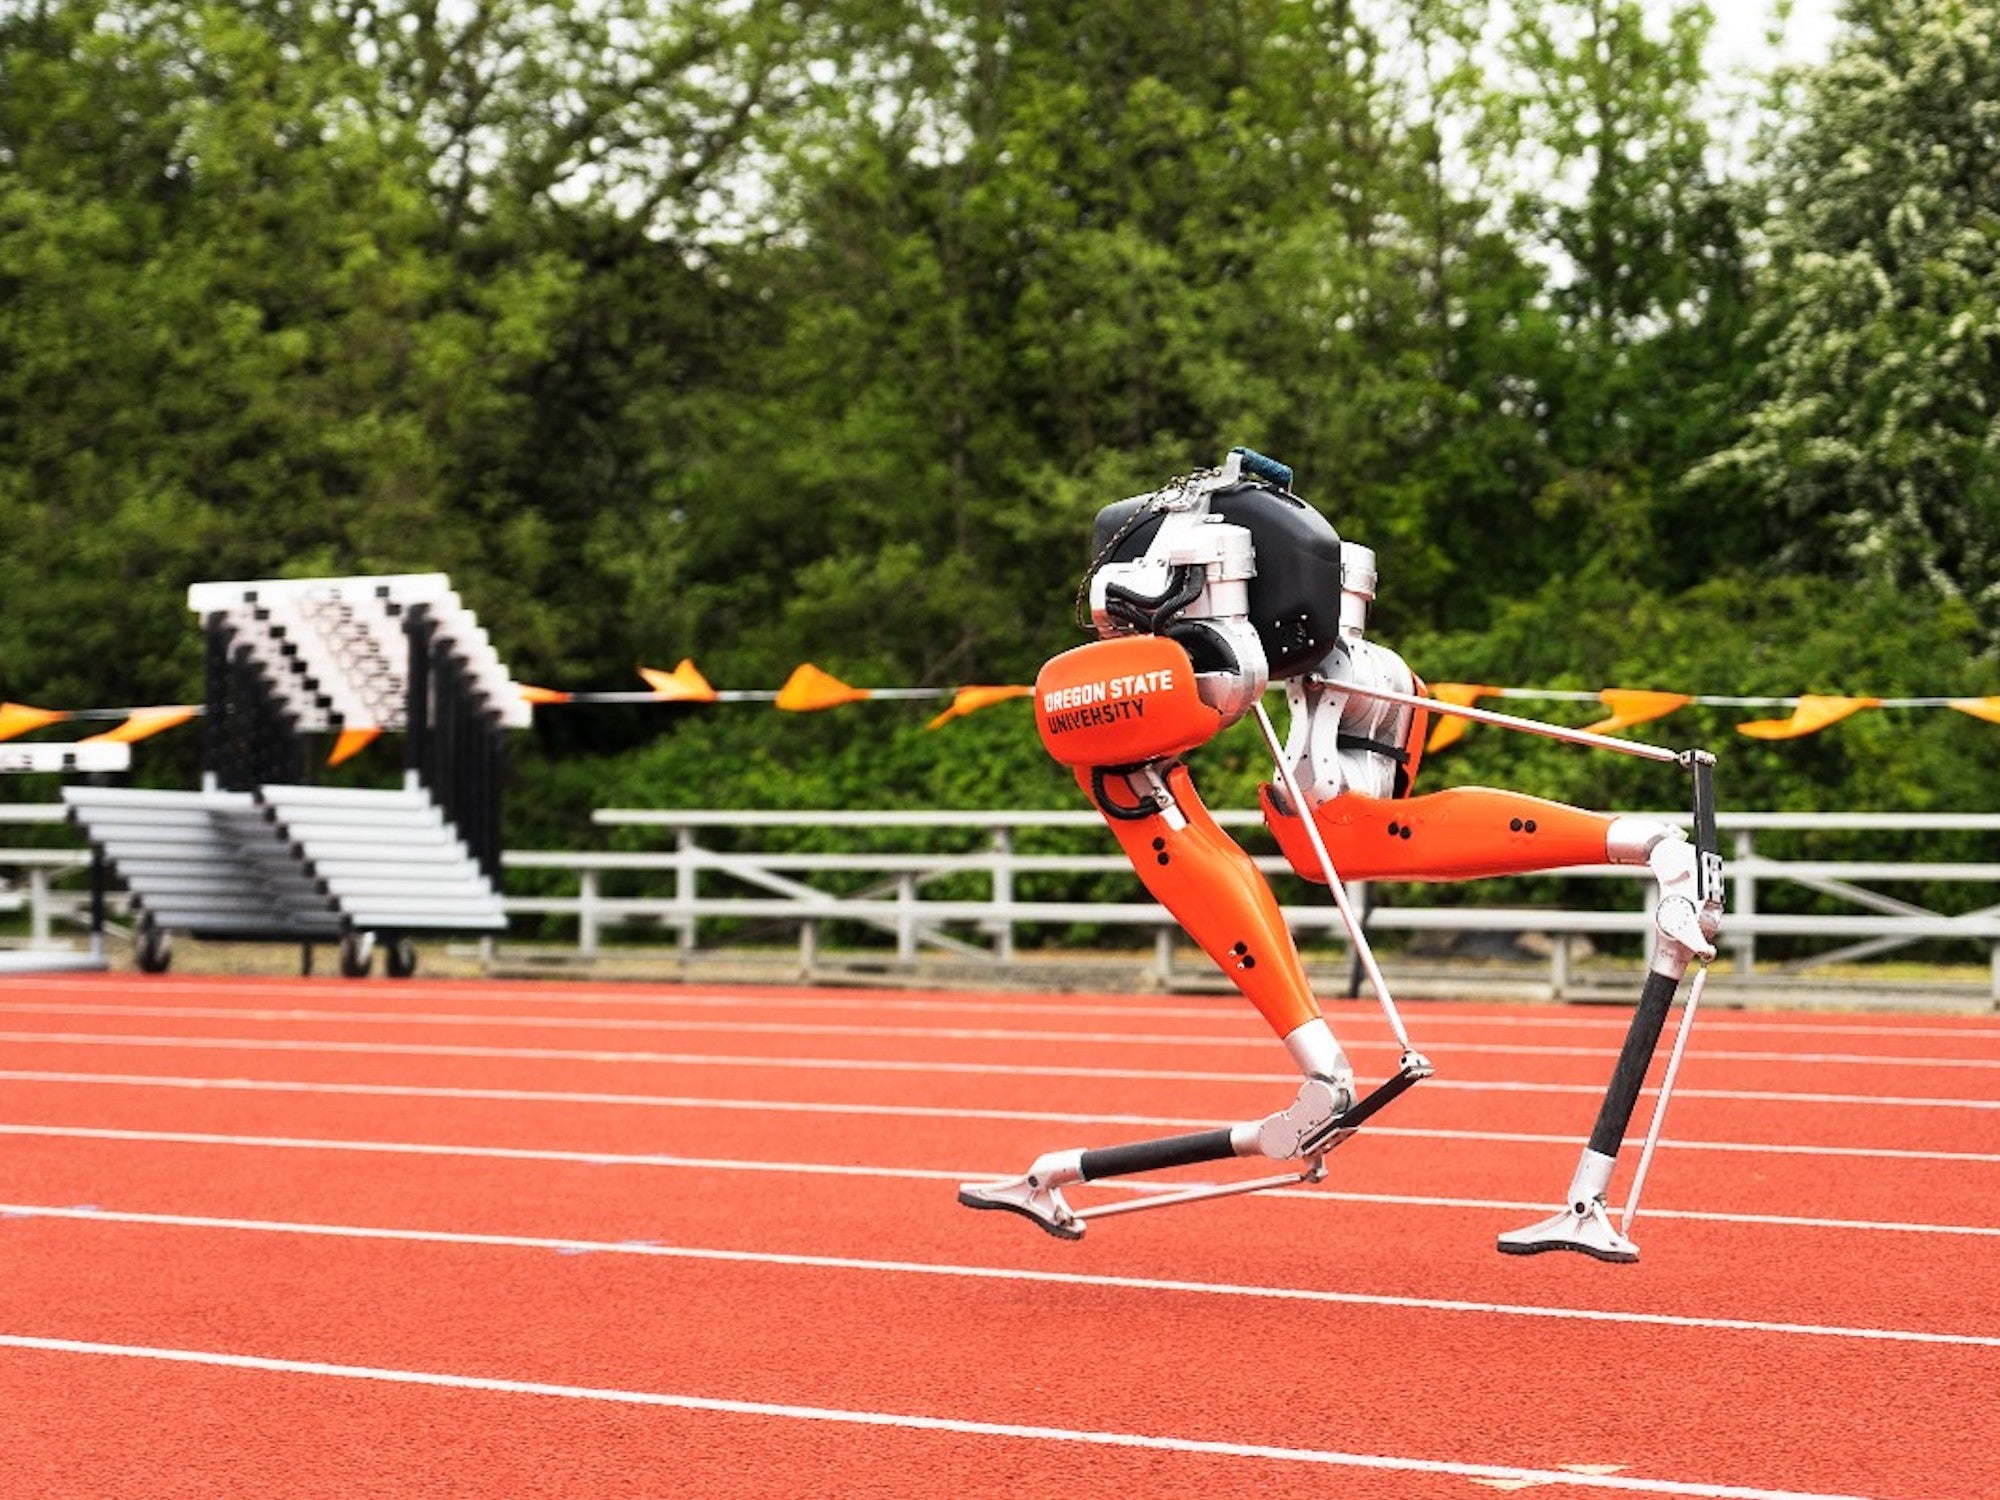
(696, 890)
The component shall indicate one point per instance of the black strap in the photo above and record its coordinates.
(1375, 747)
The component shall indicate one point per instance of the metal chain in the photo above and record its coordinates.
(1182, 492)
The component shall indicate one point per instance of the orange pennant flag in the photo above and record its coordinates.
(969, 700)
(532, 694)
(143, 722)
(18, 718)
(1980, 708)
(1814, 713)
(809, 689)
(1631, 706)
(1449, 729)
(684, 684)
(352, 742)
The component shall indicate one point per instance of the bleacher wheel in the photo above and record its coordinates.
(400, 960)
(357, 954)
(153, 950)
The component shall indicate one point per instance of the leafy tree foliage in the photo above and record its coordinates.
(770, 330)
(1873, 444)
(1637, 350)
(296, 287)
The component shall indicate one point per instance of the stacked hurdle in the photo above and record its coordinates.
(103, 757)
(257, 854)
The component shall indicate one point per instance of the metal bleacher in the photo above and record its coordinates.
(386, 860)
(207, 863)
(258, 853)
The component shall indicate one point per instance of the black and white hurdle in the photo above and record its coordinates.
(259, 853)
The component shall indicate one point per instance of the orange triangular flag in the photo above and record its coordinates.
(1980, 708)
(808, 688)
(352, 742)
(969, 700)
(18, 718)
(1814, 713)
(1631, 706)
(684, 684)
(1450, 729)
(143, 722)
(532, 694)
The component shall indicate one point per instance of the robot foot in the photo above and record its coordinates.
(1587, 1231)
(1029, 1197)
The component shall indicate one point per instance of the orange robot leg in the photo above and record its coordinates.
(1462, 834)
(1198, 873)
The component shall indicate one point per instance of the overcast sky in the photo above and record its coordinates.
(1740, 26)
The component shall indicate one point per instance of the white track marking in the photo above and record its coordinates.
(1628, 1484)
(910, 1111)
(477, 1153)
(642, 1248)
(918, 1174)
(735, 1027)
(1554, 1015)
(881, 1065)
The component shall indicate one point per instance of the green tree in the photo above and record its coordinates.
(1870, 442)
(230, 342)
(1605, 117)
(298, 286)
(1042, 256)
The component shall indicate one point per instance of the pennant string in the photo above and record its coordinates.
(811, 689)
(1632, 706)
(143, 723)
(19, 718)
(1813, 713)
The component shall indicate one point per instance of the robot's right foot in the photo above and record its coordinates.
(1029, 1198)
(1586, 1230)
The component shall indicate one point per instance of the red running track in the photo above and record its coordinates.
(323, 1238)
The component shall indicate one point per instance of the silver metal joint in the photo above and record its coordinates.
(1629, 841)
(1313, 1048)
(1683, 918)
(1309, 1122)
(1358, 579)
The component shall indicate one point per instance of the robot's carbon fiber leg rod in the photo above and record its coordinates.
(1315, 1123)
(1656, 998)
(1660, 1105)
(1584, 1224)
(1352, 918)
(1157, 1156)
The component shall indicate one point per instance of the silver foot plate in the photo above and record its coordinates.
(1587, 1232)
(1028, 1198)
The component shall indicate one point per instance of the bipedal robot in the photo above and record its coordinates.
(1202, 595)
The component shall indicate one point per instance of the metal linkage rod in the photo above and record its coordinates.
(1512, 721)
(1660, 1104)
(1307, 1174)
(1362, 949)
(751, 695)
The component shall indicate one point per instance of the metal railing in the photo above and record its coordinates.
(707, 885)
(719, 883)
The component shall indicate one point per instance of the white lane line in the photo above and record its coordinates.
(735, 1027)
(881, 1065)
(910, 1111)
(570, 1246)
(1438, 1016)
(1628, 1484)
(915, 1174)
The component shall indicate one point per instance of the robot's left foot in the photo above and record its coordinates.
(1587, 1231)
(1029, 1197)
